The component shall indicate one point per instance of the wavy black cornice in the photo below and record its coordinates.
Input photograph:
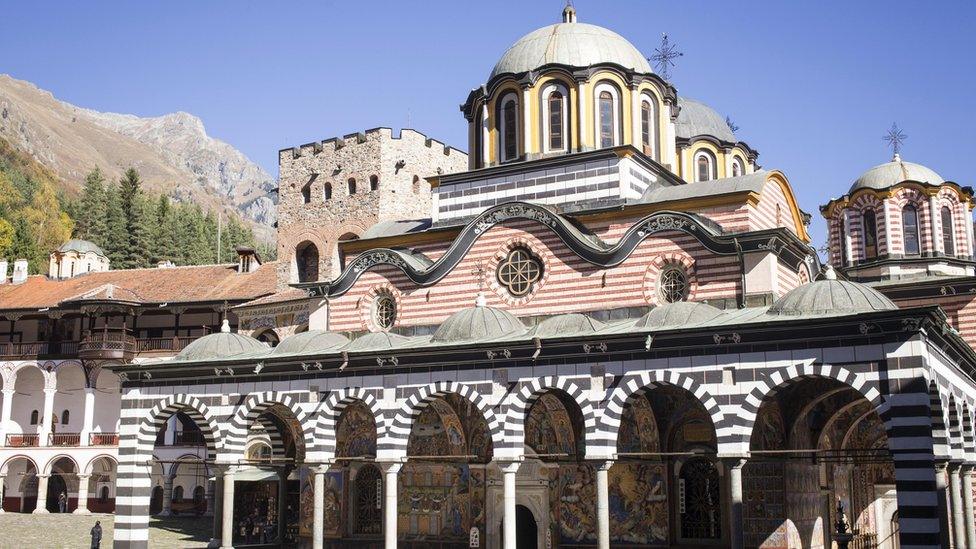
(589, 248)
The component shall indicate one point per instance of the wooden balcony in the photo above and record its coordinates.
(24, 440)
(64, 439)
(35, 349)
(103, 439)
(163, 345)
(107, 345)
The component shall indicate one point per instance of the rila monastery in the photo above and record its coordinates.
(603, 326)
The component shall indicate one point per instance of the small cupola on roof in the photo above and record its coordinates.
(679, 313)
(478, 323)
(224, 344)
(889, 174)
(310, 342)
(829, 296)
(76, 257)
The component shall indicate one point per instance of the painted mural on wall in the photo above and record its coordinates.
(438, 499)
(639, 504)
(764, 513)
(356, 432)
(549, 429)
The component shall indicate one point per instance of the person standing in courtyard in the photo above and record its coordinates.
(63, 502)
(96, 535)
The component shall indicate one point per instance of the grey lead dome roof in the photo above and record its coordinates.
(571, 44)
(81, 246)
(894, 172)
(679, 313)
(222, 344)
(478, 323)
(310, 342)
(831, 297)
(696, 118)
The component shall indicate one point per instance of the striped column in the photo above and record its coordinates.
(909, 426)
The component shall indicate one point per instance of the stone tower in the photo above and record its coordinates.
(336, 189)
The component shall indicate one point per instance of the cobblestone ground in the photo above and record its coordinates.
(23, 531)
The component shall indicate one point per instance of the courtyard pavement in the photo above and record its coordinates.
(24, 531)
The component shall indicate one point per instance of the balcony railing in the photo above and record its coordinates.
(103, 439)
(188, 438)
(30, 349)
(64, 439)
(107, 344)
(25, 440)
(164, 344)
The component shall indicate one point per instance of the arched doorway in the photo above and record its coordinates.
(156, 501)
(528, 531)
(817, 441)
(62, 484)
(20, 487)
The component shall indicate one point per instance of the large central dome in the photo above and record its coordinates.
(571, 44)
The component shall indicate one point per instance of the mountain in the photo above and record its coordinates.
(173, 153)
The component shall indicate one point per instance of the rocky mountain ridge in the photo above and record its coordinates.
(172, 152)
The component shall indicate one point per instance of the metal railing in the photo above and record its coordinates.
(24, 440)
(864, 541)
(103, 439)
(64, 439)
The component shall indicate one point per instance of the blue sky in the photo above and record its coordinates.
(812, 85)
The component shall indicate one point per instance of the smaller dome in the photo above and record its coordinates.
(697, 119)
(81, 246)
(566, 325)
(831, 297)
(679, 313)
(892, 173)
(478, 323)
(223, 344)
(377, 341)
(310, 342)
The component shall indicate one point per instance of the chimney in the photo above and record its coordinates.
(20, 271)
(3, 271)
(247, 259)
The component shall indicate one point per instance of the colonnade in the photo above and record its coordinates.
(45, 426)
(509, 468)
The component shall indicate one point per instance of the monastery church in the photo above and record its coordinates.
(602, 326)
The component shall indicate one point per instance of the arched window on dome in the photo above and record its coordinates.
(555, 118)
(842, 224)
(649, 126)
(870, 225)
(738, 166)
(909, 229)
(508, 130)
(608, 115)
(948, 243)
(704, 165)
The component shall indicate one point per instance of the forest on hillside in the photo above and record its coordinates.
(134, 227)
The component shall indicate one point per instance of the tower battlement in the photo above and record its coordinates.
(406, 135)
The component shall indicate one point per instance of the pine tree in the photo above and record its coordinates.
(165, 239)
(140, 234)
(90, 220)
(116, 239)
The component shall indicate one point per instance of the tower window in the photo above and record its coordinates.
(646, 125)
(738, 167)
(556, 121)
(842, 225)
(327, 191)
(352, 185)
(704, 166)
(948, 243)
(374, 183)
(606, 119)
(307, 262)
(307, 193)
(870, 226)
(909, 225)
(509, 128)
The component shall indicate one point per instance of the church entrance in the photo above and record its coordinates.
(527, 531)
(55, 487)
